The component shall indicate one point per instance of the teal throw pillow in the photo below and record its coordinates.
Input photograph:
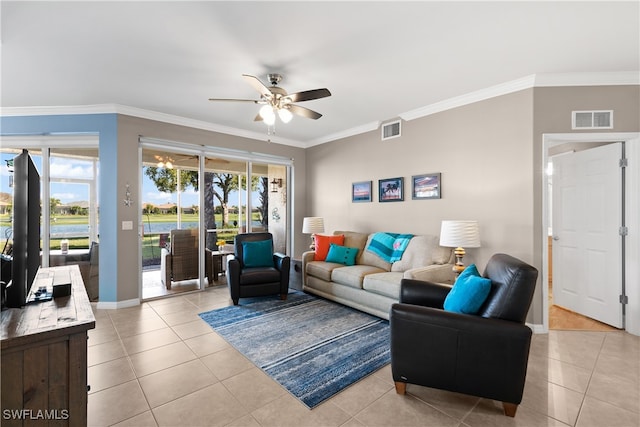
(468, 293)
(257, 254)
(341, 254)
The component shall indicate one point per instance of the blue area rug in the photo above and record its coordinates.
(313, 347)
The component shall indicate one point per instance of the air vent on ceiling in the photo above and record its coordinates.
(391, 130)
(601, 119)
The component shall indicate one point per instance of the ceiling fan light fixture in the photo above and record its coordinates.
(285, 115)
(267, 114)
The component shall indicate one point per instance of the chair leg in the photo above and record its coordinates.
(283, 297)
(510, 409)
(235, 302)
(401, 388)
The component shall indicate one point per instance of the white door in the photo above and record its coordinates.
(587, 249)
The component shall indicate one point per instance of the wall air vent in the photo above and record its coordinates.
(601, 119)
(391, 130)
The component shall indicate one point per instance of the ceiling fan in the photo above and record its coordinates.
(276, 100)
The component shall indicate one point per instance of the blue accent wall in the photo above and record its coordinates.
(106, 127)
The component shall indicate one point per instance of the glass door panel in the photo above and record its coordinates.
(73, 212)
(170, 236)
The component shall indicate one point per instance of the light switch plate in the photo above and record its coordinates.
(127, 225)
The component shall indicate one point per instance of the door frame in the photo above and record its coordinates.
(632, 273)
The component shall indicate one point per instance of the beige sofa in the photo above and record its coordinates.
(373, 285)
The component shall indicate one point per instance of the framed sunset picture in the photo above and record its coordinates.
(361, 191)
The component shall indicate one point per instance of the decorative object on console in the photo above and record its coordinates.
(459, 234)
(426, 186)
(361, 191)
(391, 190)
(313, 225)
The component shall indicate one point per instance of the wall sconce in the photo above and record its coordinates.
(275, 184)
(127, 196)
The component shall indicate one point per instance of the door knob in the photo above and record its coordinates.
(556, 238)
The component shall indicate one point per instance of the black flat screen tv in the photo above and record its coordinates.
(26, 229)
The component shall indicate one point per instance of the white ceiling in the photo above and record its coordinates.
(379, 59)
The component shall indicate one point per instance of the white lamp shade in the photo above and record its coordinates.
(313, 225)
(460, 234)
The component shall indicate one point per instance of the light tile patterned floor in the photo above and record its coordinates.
(159, 364)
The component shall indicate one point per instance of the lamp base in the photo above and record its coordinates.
(458, 267)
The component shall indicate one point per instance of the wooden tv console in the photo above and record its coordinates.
(44, 358)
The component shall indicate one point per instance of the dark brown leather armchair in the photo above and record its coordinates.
(247, 281)
(484, 355)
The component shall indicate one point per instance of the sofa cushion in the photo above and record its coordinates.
(421, 252)
(342, 254)
(322, 245)
(353, 275)
(386, 284)
(353, 239)
(321, 269)
(370, 258)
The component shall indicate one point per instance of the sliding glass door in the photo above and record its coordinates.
(170, 236)
(186, 189)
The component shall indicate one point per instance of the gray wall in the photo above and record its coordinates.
(484, 152)
(129, 129)
(490, 157)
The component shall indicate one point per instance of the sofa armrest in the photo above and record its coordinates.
(306, 258)
(437, 273)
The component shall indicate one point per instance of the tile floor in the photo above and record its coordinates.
(159, 364)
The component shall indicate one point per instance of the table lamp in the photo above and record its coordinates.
(313, 225)
(459, 234)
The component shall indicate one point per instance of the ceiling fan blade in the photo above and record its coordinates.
(304, 112)
(258, 85)
(234, 100)
(308, 95)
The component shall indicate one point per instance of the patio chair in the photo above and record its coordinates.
(180, 260)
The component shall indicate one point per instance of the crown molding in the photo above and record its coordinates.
(470, 98)
(527, 82)
(344, 134)
(144, 114)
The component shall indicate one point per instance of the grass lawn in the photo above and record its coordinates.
(150, 241)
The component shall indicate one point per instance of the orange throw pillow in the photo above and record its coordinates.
(323, 243)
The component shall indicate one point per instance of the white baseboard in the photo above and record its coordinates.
(537, 328)
(108, 305)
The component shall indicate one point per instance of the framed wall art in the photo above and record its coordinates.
(426, 186)
(361, 191)
(391, 190)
